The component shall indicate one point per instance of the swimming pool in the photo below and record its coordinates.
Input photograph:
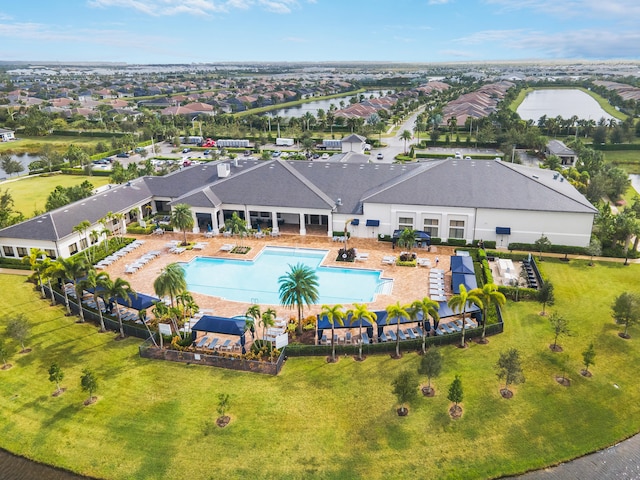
(257, 281)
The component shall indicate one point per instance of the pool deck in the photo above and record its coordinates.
(409, 283)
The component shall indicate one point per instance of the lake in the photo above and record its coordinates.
(25, 160)
(564, 102)
(314, 106)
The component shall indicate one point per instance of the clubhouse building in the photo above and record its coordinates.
(448, 199)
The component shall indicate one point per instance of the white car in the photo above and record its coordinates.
(325, 156)
(379, 156)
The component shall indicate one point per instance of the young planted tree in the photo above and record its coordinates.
(298, 287)
(546, 296)
(431, 366)
(334, 313)
(359, 314)
(89, 383)
(223, 405)
(588, 359)
(19, 329)
(455, 395)
(626, 311)
(34, 260)
(542, 244)
(182, 219)
(237, 226)
(4, 354)
(56, 375)
(510, 369)
(405, 387)
(560, 326)
(253, 315)
(594, 249)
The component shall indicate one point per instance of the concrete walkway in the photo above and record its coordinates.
(621, 461)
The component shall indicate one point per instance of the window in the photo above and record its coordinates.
(456, 229)
(73, 248)
(8, 252)
(50, 253)
(431, 226)
(405, 222)
(95, 237)
(22, 252)
(83, 243)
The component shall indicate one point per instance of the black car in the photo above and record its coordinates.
(123, 155)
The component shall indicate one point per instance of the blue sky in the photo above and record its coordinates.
(186, 31)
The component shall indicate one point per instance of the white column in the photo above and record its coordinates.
(274, 221)
(221, 220)
(196, 227)
(330, 225)
(303, 230)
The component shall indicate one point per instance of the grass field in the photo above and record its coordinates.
(319, 420)
(30, 193)
(627, 159)
(59, 142)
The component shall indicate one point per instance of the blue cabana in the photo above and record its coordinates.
(225, 326)
(462, 265)
(323, 322)
(140, 302)
(445, 311)
(469, 281)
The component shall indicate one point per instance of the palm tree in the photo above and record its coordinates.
(298, 287)
(33, 260)
(488, 295)
(406, 136)
(237, 226)
(268, 320)
(398, 312)
(48, 274)
(73, 270)
(119, 288)
(172, 282)
(460, 302)
(427, 307)
(359, 313)
(254, 313)
(82, 228)
(334, 314)
(182, 219)
(187, 305)
(96, 281)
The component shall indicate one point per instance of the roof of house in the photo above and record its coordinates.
(556, 147)
(353, 138)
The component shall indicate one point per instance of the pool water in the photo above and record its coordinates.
(257, 281)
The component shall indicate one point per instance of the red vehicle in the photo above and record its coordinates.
(208, 143)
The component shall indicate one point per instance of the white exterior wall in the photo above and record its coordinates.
(28, 244)
(561, 228)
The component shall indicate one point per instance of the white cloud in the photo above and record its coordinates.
(4, 16)
(574, 8)
(438, 2)
(158, 8)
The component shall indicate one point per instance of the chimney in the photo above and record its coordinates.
(224, 170)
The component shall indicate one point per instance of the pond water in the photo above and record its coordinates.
(18, 468)
(314, 106)
(25, 160)
(564, 102)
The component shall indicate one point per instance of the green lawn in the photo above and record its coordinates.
(319, 420)
(627, 159)
(26, 144)
(30, 193)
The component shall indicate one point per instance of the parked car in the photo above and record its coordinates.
(247, 153)
(379, 156)
(467, 158)
(123, 155)
(325, 156)
(139, 149)
(207, 152)
(276, 153)
(315, 155)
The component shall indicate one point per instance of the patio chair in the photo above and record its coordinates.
(453, 327)
(179, 250)
(383, 338)
(237, 345)
(423, 262)
(469, 324)
(227, 247)
(389, 260)
(401, 335)
(365, 338)
(348, 338)
(212, 343)
(336, 339)
(392, 335)
(202, 341)
(419, 332)
(226, 345)
(324, 340)
(410, 333)
(362, 256)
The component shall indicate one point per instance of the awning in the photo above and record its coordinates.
(445, 312)
(460, 264)
(373, 223)
(355, 221)
(469, 282)
(503, 230)
(226, 326)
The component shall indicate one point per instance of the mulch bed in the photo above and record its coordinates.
(331, 360)
(403, 412)
(90, 401)
(396, 357)
(6, 366)
(428, 392)
(481, 341)
(119, 338)
(585, 373)
(455, 411)
(57, 393)
(564, 381)
(223, 421)
(556, 348)
(25, 351)
(358, 359)
(506, 393)
(626, 336)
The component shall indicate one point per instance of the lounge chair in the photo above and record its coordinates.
(389, 260)
(392, 335)
(202, 341)
(439, 298)
(419, 331)
(179, 250)
(423, 262)
(454, 327)
(324, 340)
(383, 337)
(411, 334)
(365, 338)
(469, 324)
(227, 247)
(212, 343)
(200, 246)
(401, 335)
(226, 345)
(348, 338)
(336, 339)
(363, 257)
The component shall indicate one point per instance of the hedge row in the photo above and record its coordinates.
(521, 293)
(530, 247)
(476, 156)
(615, 147)
(77, 133)
(15, 263)
(80, 171)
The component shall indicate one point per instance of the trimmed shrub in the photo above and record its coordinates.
(456, 242)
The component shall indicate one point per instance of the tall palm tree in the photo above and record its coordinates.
(187, 305)
(253, 312)
(268, 320)
(488, 295)
(298, 287)
(81, 229)
(427, 307)
(406, 136)
(397, 312)
(182, 219)
(48, 274)
(237, 226)
(119, 288)
(34, 260)
(334, 314)
(359, 313)
(96, 282)
(459, 303)
(74, 269)
(172, 282)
